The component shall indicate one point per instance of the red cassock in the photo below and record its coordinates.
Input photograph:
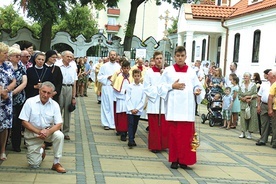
(122, 123)
(180, 139)
(158, 133)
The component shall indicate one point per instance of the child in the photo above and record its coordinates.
(217, 103)
(236, 107)
(135, 99)
(226, 108)
(120, 84)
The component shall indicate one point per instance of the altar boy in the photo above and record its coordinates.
(120, 84)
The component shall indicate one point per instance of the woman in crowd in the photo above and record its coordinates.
(236, 107)
(18, 96)
(258, 82)
(248, 96)
(81, 77)
(51, 57)
(37, 75)
(217, 81)
(7, 83)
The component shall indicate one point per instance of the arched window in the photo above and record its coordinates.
(193, 51)
(203, 52)
(219, 50)
(236, 47)
(256, 46)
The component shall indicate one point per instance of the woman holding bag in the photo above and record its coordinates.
(248, 96)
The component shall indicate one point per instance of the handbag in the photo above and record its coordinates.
(247, 112)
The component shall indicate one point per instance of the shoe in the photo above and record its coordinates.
(249, 136)
(242, 135)
(273, 146)
(57, 167)
(44, 152)
(112, 128)
(183, 166)
(66, 137)
(223, 127)
(85, 95)
(3, 156)
(131, 144)
(228, 128)
(118, 133)
(123, 138)
(99, 102)
(197, 114)
(16, 149)
(174, 165)
(147, 129)
(232, 127)
(81, 95)
(260, 143)
(154, 151)
(106, 127)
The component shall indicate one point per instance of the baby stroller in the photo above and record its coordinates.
(214, 108)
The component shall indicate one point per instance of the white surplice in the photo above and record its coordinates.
(151, 81)
(107, 114)
(180, 104)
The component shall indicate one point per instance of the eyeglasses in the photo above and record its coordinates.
(26, 56)
(17, 56)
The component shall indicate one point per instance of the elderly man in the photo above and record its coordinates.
(25, 59)
(68, 90)
(42, 120)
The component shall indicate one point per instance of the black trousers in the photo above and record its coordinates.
(16, 127)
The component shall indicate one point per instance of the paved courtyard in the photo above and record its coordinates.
(94, 155)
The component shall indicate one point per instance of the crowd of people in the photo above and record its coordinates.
(38, 94)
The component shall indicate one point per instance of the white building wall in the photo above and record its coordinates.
(267, 52)
(153, 26)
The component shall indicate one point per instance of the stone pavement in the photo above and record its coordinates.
(94, 155)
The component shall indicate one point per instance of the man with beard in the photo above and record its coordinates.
(107, 97)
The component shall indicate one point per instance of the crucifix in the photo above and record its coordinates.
(166, 18)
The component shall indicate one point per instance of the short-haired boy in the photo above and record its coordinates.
(135, 100)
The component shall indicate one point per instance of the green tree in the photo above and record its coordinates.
(47, 12)
(78, 21)
(173, 28)
(10, 21)
(132, 18)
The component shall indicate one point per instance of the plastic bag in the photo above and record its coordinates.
(247, 114)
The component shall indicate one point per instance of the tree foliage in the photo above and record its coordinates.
(78, 21)
(10, 20)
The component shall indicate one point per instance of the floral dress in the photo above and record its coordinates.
(6, 77)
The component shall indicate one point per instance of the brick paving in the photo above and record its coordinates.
(94, 155)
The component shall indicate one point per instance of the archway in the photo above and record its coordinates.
(60, 47)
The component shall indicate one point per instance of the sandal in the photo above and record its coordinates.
(223, 127)
(232, 127)
(3, 156)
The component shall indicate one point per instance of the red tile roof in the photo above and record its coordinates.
(244, 8)
(211, 11)
(239, 9)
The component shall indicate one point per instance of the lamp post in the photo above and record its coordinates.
(100, 40)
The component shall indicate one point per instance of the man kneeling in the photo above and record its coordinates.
(42, 120)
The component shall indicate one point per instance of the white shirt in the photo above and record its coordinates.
(180, 104)
(107, 70)
(151, 81)
(264, 91)
(69, 74)
(135, 98)
(39, 115)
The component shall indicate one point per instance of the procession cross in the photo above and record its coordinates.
(166, 18)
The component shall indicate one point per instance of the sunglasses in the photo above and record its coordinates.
(26, 56)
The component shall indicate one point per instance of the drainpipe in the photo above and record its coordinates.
(226, 44)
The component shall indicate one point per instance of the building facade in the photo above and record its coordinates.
(243, 32)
